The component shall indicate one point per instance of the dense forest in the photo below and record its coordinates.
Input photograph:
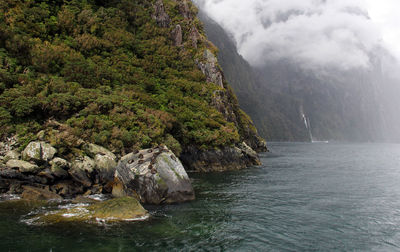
(108, 73)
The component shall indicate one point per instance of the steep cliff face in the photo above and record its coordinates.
(268, 108)
(125, 75)
(280, 97)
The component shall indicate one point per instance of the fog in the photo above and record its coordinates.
(337, 34)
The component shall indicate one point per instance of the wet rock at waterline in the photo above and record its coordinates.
(155, 175)
(35, 193)
(223, 159)
(113, 210)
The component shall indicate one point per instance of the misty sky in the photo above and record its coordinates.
(313, 33)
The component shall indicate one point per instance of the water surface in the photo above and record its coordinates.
(305, 197)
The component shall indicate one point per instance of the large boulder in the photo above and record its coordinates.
(22, 166)
(156, 175)
(105, 162)
(38, 151)
(81, 171)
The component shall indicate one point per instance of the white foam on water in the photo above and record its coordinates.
(9, 196)
(69, 206)
(99, 197)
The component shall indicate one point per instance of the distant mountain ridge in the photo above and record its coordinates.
(339, 105)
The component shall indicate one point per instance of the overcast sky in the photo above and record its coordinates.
(312, 33)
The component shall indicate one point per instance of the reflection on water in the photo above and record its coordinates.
(305, 197)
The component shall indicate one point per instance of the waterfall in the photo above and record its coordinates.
(307, 123)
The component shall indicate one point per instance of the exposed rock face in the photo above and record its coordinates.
(229, 158)
(23, 166)
(184, 9)
(194, 36)
(38, 151)
(160, 15)
(156, 175)
(177, 35)
(210, 68)
(225, 102)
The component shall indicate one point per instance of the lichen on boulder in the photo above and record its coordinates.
(23, 166)
(156, 175)
(38, 151)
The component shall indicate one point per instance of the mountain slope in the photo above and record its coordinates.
(287, 102)
(122, 74)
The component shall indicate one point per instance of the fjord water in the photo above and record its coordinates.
(305, 197)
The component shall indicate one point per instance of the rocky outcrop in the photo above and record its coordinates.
(155, 175)
(177, 35)
(109, 211)
(208, 65)
(223, 159)
(194, 36)
(160, 15)
(184, 9)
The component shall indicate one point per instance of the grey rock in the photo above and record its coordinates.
(23, 166)
(32, 152)
(210, 68)
(81, 171)
(38, 151)
(62, 163)
(105, 167)
(105, 162)
(94, 149)
(194, 36)
(12, 154)
(184, 9)
(155, 175)
(48, 151)
(59, 167)
(223, 159)
(17, 177)
(177, 35)
(160, 15)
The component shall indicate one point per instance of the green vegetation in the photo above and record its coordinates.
(108, 73)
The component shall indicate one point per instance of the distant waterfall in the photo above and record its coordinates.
(307, 123)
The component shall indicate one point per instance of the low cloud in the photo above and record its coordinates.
(312, 33)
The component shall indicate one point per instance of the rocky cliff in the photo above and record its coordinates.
(87, 88)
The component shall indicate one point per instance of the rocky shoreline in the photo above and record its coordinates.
(150, 176)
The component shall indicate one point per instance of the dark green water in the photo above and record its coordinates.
(306, 197)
